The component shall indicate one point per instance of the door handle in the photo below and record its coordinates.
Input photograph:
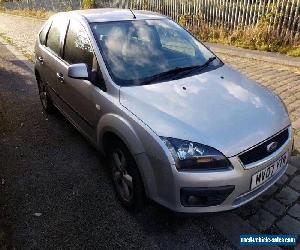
(60, 77)
(41, 59)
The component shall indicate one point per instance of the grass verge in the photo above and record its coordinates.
(40, 14)
(294, 52)
(10, 41)
(256, 38)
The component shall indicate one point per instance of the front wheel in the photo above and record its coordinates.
(126, 177)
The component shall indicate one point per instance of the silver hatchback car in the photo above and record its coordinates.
(177, 125)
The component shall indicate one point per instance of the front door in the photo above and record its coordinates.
(78, 94)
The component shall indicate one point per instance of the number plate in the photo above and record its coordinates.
(267, 173)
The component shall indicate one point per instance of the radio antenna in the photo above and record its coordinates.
(134, 17)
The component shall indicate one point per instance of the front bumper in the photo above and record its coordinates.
(167, 183)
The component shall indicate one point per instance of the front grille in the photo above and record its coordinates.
(259, 152)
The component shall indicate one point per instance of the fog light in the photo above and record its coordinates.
(192, 200)
(204, 197)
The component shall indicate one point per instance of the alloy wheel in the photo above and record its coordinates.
(122, 179)
(43, 94)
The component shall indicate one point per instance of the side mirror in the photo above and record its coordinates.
(79, 71)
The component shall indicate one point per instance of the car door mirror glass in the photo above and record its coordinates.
(79, 71)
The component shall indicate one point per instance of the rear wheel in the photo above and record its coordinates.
(44, 97)
(126, 177)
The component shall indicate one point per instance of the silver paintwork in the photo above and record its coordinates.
(209, 110)
(78, 71)
(110, 15)
(231, 114)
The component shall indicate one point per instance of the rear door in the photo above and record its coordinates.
(51, 56)
(40, 51)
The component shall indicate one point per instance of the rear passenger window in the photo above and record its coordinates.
(77, 46)
(43, 33)
(55, 33)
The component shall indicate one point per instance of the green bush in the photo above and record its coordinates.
(89, 4)
(294, 52)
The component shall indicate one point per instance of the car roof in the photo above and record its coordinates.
(113, 14)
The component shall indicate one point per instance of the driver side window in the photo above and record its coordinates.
(77, 46)
(78, 49)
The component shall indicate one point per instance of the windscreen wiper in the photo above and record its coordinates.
(167, 74)
(199, 67)
(177, 72)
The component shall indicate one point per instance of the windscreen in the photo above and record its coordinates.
(137, 50)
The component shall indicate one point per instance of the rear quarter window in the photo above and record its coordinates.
(44, 32)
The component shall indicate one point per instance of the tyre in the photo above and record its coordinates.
(126, 177)
(45, 97)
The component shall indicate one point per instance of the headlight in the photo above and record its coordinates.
(195, 156)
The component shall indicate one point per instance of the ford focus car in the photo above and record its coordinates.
(178, 125)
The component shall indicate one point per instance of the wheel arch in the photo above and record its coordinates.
(113, 125)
